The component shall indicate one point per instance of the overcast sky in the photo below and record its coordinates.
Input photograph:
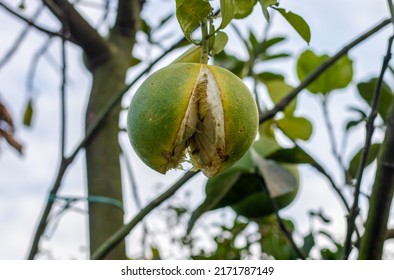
(26, 180)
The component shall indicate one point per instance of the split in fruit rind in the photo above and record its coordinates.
(203, 109)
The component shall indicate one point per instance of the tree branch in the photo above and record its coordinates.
(383, 188)
(44, 218)
(127, 17)
(63, 106)
(31, 22)
(18, 42)
(94, 45)
(319, 70)
(331, 135)
(368, 139)
(106, 247)
(390, 233)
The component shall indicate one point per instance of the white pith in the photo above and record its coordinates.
(202, 129)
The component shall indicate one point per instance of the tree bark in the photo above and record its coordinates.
(381, 198)
(102, 158)
(102, 151)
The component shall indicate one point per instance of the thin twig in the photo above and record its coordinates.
(323, 171)
(331, 135)
(333, 185)
(63, 106)
(18, 41)
(391, 9)
(390, 233)
(336, 189)
(319, 70)
(118, 236)
(67, 161)
(105, 14)
(44, 218)
(136, 197)
(30, 22)
(133, 182)
(368, 139)
(34, 64)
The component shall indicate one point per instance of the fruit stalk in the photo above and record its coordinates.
(204, 42)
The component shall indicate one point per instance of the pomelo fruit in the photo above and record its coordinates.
(199, 110)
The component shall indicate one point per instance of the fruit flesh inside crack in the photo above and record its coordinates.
(202, 133)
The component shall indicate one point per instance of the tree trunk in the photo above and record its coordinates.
(102, 158)
(381, 198)
(102, 151)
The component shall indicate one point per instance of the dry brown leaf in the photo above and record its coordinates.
(9, 137)
(7, 129)
(5, 115)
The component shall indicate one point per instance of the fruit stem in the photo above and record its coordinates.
(205, 42)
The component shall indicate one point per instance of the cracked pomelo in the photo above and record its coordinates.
(192, 112)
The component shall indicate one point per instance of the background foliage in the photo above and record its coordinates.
(258, 56)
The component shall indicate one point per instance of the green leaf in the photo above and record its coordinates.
(27, 116)
(243, 8)
(155, 253)
(295, 155)
(225, 188)
(309, 242)
(221, 40)
(337, 76)
(328, 254)
(264, 5)
(254, 42)
(295, 127)
(271, 42)
(230, 63)
(279, 180)
(192, 54)
(275, 56)
(217, 188)
(298, 23)
(189, 14)
(261, 49)
(21, 5)
(277, 90)
(355, 162)
(145, 27)
(245, 164)
(362, 114)
(367, 90)
(227, 11)
(134, 61)
(353, 123)
(165, 19)
(265, 146)
(274, 241)
(265, 77)
(266, 129)
(362, 117)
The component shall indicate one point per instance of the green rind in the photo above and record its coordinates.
(153, 126)
(240, 115)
